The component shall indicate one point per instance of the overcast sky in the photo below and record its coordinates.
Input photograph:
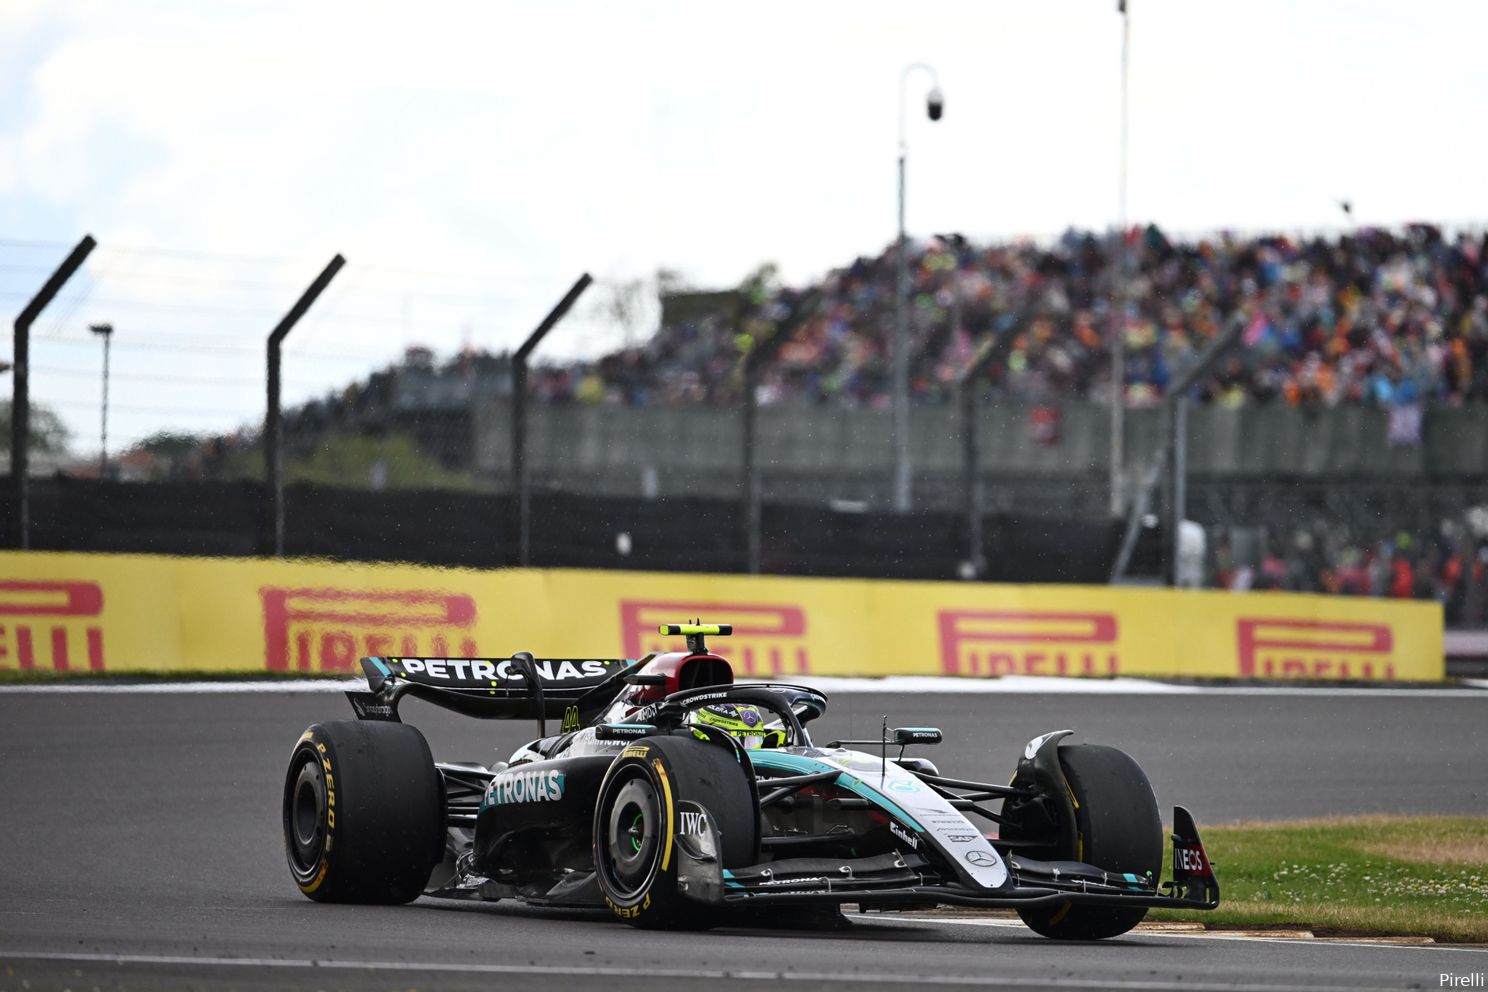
(471, 159)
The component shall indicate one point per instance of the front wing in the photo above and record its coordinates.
(903, 879)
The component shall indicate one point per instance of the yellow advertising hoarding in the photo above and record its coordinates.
(82, 612)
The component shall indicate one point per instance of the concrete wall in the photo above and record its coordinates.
(832, 452)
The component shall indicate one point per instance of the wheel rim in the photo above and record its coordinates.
(633, 828)
(306, 817)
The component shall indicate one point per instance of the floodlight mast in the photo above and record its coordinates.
(1119, 488)
(934, 109)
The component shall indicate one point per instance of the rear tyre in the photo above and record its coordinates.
(363, 812)
(1116, 828)
(635, 822)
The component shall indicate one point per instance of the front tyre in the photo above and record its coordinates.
(1117, 828)
(363, 812)
(636, 819)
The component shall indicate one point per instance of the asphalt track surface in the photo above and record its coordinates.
(141, 849)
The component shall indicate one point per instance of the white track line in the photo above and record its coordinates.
(1211, 935)
(822, 978)
(894, 685)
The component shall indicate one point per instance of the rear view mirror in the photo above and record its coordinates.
(917, 735)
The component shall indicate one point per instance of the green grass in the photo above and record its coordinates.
(1378, 875)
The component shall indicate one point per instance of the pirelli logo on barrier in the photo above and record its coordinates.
(768, 639)
(51, 625)
(1281, 648)
(327, 629)
(1027, 642)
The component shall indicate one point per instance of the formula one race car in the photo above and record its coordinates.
(675, 796)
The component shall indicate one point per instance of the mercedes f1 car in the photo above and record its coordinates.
(674, 796)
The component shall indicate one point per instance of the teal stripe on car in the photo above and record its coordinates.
(797, 764)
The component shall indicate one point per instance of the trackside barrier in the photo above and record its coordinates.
(93, 612)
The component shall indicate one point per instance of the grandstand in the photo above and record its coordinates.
(1373, 316)
(1377, 317)
(1337, 447)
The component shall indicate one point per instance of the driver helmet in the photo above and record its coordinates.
(746, 722)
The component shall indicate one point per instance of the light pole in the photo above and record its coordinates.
(934, 108)
(1118, 301)
(106, 331)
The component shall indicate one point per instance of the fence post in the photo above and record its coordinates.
(1171, 458)
(523, 508)
(273, 428)
(1178, 487)
(20, 405)
(993, 349)
(759, 354)
(751, 471)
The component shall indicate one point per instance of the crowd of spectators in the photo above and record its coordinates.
(1449, 565)
(1392, 318)
(1372, 316)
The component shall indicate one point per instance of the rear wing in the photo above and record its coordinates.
(515, 688)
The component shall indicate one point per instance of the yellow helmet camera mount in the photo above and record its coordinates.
(696, 631)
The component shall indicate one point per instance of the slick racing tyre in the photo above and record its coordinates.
(1116, 828)
(636, 819)
(363, 812)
